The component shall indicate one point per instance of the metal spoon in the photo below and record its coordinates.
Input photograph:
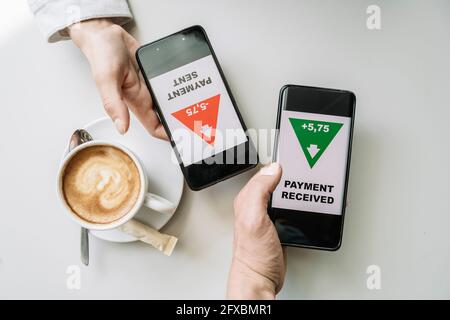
(81, 136)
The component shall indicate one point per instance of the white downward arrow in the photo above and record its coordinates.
(206, 130)
(313, 150)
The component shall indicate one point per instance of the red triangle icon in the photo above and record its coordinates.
(201, 118)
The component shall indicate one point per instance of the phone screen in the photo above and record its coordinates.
(313, 150)
(313, 147)
(192, 96)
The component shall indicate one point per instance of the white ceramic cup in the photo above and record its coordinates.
(145, 198)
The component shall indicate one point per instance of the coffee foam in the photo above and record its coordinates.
(101, 184)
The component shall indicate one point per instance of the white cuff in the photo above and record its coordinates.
(54, 16)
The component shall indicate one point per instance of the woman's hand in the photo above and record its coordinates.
(110, 51)
(258, 267)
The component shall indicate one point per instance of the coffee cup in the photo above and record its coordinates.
(102, 186)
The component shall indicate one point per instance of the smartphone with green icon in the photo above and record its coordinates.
(313, 146)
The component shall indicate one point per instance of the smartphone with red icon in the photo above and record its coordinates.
(195, 105)
(313, 146)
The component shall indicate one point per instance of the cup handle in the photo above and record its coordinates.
(159, 204)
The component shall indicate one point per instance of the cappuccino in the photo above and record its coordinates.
(101, 184)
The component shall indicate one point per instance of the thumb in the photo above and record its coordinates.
(114, 105)
(262, 184)
(272, 175)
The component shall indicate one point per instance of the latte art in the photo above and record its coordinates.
(101, 184)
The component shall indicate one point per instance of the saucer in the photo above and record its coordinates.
(165, 176)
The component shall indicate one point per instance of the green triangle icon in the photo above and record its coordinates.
(314, 136)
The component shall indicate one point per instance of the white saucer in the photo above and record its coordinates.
(165, 176)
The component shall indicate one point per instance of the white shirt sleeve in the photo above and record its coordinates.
(54, 16)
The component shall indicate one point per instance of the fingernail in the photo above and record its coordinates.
(120, 126)
(270, 170)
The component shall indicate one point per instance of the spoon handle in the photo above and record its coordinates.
(85, 246)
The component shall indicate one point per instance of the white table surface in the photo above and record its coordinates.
(398, 215)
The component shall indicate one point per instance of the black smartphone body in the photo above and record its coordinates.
(313, 146)
(195, 105)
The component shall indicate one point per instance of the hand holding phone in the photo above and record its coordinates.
(259, 263)
(109, 50)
